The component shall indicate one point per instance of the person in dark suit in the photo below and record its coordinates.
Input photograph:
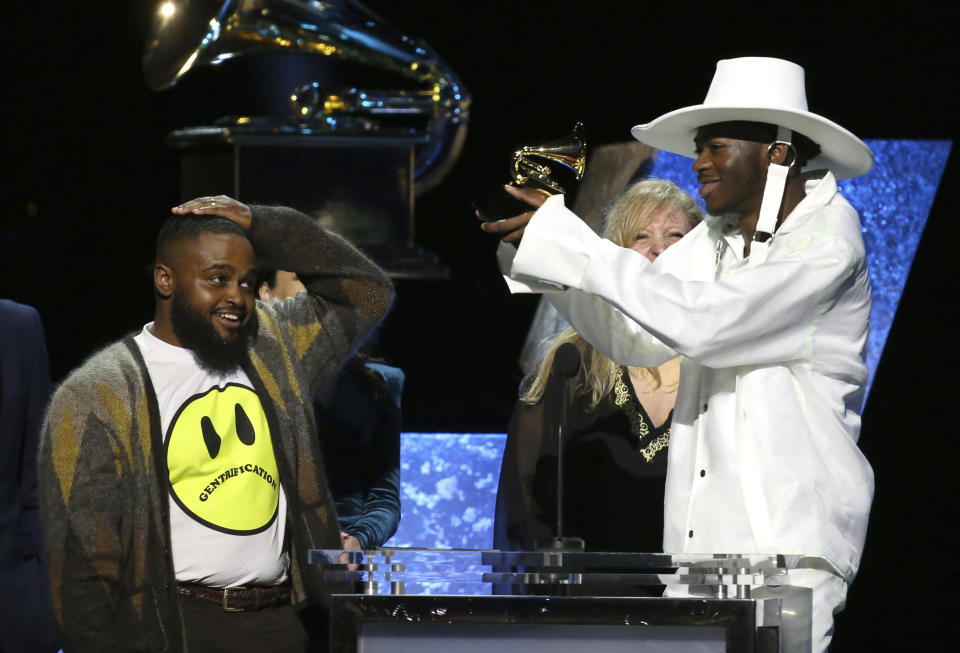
(26, 615)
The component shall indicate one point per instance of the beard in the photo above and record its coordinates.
(196, 333)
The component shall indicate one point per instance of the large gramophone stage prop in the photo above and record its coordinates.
(353, 157)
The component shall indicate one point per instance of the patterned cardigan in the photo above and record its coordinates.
(103, 484)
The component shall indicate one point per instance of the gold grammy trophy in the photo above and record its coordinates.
(553, 168)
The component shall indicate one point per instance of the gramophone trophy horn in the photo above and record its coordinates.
(553, 168)
(188, 33)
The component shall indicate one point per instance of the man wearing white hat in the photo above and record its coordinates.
(768, 304)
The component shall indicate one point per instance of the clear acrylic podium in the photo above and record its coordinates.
(466, 601)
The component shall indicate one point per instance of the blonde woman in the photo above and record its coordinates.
(617, 422)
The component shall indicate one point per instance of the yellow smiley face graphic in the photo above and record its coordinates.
(220, 461)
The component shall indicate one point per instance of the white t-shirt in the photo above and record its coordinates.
(227, 507)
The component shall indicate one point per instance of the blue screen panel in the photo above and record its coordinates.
(448, 490)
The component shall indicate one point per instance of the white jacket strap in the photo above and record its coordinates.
(772, 200)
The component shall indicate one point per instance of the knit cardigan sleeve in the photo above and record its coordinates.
(301, 343)
(100, 499)
(348, 294)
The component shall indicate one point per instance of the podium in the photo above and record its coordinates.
(430, 600)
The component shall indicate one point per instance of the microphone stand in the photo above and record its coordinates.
(566, 365)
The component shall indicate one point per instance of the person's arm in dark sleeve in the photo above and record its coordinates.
(350, 294)
(375, 509)
(37, 378)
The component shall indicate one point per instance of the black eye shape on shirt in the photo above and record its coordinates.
(210, 437)
(245, 431)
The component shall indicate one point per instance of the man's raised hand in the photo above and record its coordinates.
(225, 207)
(511, 229)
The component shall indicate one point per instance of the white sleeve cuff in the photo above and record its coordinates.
(556, 246)
(519, 283)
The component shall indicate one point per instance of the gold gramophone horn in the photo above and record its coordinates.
(532, 163)
(552, 168)
(187, 33)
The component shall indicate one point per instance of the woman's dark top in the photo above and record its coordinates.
(615, 464)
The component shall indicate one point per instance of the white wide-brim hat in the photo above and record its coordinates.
(760, 89)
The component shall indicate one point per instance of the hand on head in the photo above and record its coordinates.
(510, 230)
(225, 207)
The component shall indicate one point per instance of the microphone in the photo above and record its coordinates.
(566, 364)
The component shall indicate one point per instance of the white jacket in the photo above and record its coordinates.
(763, 454)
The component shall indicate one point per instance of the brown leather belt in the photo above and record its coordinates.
(239, 599)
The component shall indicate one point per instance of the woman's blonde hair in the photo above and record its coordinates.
(640, 203)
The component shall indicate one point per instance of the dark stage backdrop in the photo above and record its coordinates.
(88, 181)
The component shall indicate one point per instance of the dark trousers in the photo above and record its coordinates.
(211, 629)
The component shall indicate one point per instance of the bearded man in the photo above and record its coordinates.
(181, 477)
(767, 302)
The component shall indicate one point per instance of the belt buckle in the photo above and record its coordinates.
(226, 594)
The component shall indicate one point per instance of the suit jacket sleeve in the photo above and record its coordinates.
(38, 394)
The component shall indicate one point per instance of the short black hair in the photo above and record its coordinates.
(763, 132)
(185, 227)
(267, 276)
